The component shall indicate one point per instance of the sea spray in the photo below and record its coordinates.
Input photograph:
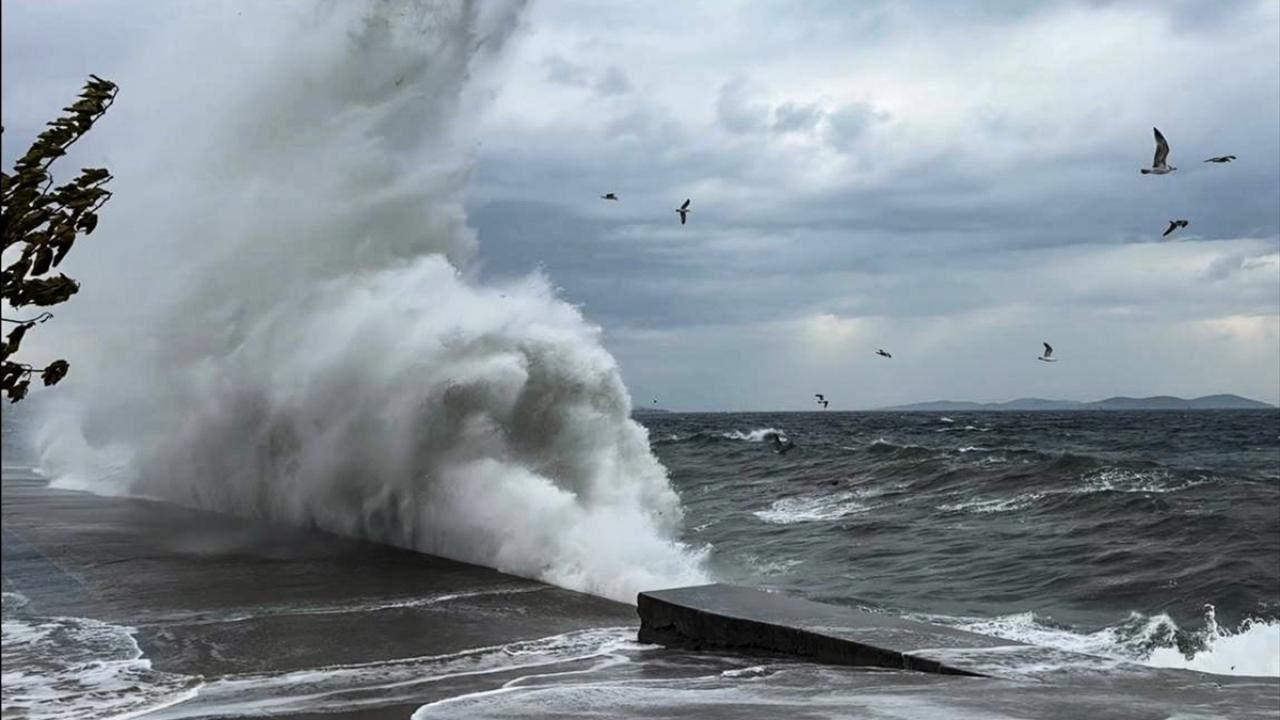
(315, 348)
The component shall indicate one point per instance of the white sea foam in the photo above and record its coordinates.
(809, 691)
(1132, 481)
(350, 688)
(58, 668)
(1253, 650)
(757, 435)
(312, 345)
(1120, 480)
(993, 505)
(810, 508)
(766, 567)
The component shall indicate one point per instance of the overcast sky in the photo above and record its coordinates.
(954, 185)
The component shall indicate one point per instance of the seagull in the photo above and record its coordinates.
(819, 396)
(1221, 159)
(780, 443)
(1174, 225)
(1048, 353)
(684, 211)
(1158, 165)
(609, 196)
(882, 353)
(824, 403)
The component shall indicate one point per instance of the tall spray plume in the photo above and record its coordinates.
(280, 317)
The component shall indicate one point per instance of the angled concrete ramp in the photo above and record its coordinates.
(739, 618)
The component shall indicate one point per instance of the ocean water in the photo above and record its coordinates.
(1088, 532)
(1150, 536)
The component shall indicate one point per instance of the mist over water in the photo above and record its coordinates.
(293, 330)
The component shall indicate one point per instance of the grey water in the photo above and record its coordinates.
(1088, 532)
(1137, 534)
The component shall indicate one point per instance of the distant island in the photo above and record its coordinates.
(1158, 402)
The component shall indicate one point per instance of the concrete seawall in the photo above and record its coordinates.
(737, 618)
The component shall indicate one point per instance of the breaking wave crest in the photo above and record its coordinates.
(757, 435)
(706, 436)
(1153, 640)
(329, 357)
(809, 508)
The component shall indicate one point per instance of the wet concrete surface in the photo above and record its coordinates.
(213, 595)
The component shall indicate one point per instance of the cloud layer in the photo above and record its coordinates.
(955, 184)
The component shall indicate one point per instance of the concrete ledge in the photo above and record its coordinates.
(738, 618)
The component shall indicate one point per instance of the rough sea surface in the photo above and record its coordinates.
(1151, 536)
(1145, 538)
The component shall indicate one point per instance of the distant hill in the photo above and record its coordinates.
(1158, 402)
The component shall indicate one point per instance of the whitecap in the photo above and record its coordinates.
(810, 508)
(757, 435)
(1121, 480)
(994, 505)
(1253, 650)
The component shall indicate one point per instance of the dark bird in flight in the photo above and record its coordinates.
(1160, 165)
(1221, 159)
(882, 353)
(1048, 353)
(1174, 225)
(781, 444)
(824, 403)
(684, 211)
(609, 196)
(819, 396)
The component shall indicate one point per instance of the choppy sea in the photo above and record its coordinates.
(1151, 536)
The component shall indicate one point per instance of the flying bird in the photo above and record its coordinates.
(1159, 166)
(819, 396)
(684, 211)
(609, 196)
(1221, 159)
(882, 353)
(824, 403)
(1048, 353)
(1174, 225)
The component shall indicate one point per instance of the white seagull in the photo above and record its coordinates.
(1159, 166)
(1048, 353)
(684, 211)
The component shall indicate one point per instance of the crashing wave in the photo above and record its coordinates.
(328, 356)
